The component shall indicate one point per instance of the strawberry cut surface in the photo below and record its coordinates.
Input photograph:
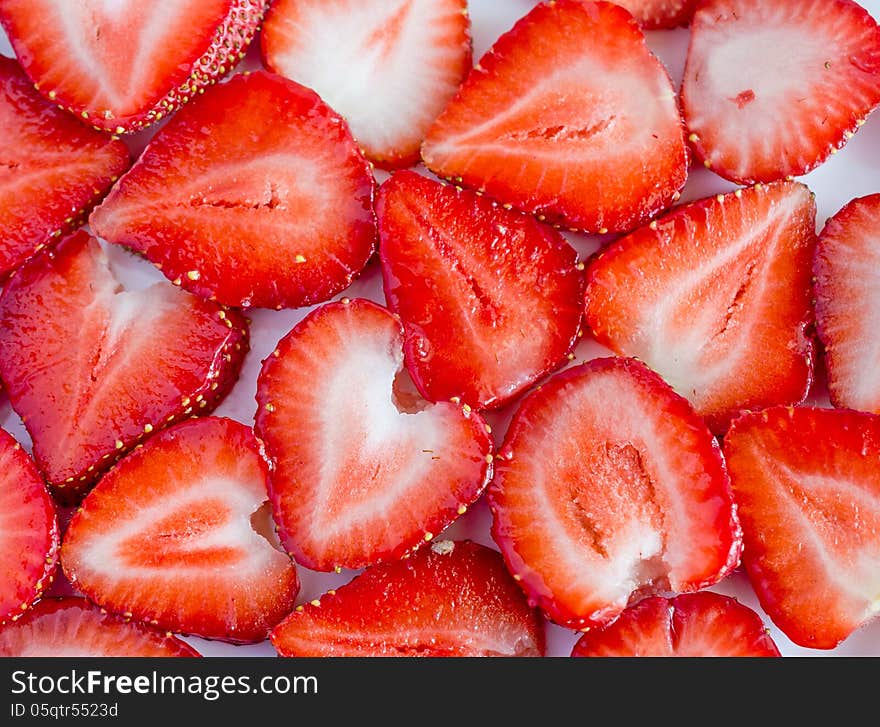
(771, 89)
(608, 489)
(451, 599)
(364, 469)
(126, 64)
(73, 627)
(388, 66)
(52, 169)
(715, 297)
(691, 625)
(807, 485)
(584, 134)
(657, 14)
(254, 195)
(92, 368)
(28, 531)
(177, 534)
(490, 299)
(846, 285)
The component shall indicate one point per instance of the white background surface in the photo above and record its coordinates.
(853, 172)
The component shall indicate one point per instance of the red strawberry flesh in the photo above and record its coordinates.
(174, 535)
(609, 488)
(847, 303)
(691, 625)
(246, 212)
(584, 134)
(807, 486)
(124, 65)
(715, 297)
(73, 627)
(452, 599)
(490, 299)
(771, 89)
(53, 169)
(92, 369)
(364, 469)
(28, 531)
(656, 14)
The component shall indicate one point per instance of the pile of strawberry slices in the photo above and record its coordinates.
(534, 205)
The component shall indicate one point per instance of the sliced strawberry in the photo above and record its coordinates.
(715, 297)
(364, 469)
(28, 531)
(388, 67)
(608, 489)
(72, 627)
(690, 625)
(52, 169)
(656, 14)
(771, 89)
(255, 195)
(491, 300)
(807, 486)
(585, 134)
(178, 535)
(846, 287)
(126, 64)
(91, 369)
(452, 599)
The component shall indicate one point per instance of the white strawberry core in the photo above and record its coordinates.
(385, 65)
(362, 421)
(232, 503)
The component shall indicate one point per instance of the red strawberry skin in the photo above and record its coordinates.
(490, 299)
(73, 627)
(92, 370)
(715, 297)
(173, 535)
(363, 468)
(122, 69)
(608, 489)
(586, 135)
(691, 625)
(388, 67)
(245, 212)
(658, 14)
(28, 531)
(807, 484)
(845, 285)
(53, 169)
(452, 599)
(770, 90)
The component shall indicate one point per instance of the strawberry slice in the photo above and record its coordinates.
(690, 625)
(126, 64)
(52, 169)
(364, 469)
(657, 14)
(807, 486)
(72, 627)
(771, 89)
(632, 501)
(452, 599)
(91, 369)
(178, 535)
(846, 284)
(715, 297)
(388, 67)
(491, 300)
(584, 134)
(28, 531)
(246, 212)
